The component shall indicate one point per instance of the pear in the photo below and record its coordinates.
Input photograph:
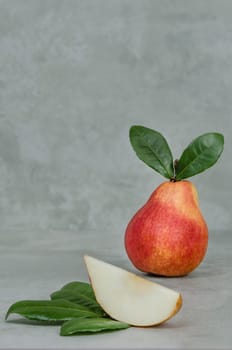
(168, 236)
(129, 298)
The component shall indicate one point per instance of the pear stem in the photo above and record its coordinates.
(176, 161)
(173, 179)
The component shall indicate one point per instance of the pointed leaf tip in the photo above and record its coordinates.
(152, 148)
(202, 153)
(59, 310)
(78, 326)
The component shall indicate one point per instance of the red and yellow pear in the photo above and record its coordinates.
(168, 236)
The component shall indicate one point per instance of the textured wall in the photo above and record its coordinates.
(74, 76)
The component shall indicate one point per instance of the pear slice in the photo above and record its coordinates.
(129, 298)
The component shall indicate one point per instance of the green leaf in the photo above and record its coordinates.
(200, 154)
(81, 325)
(49, 310)
(80, 293)
(152, 148)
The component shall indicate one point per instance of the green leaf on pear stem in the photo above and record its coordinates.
(84, 325)
(81, 293)
(200, 154)
(56, 311)
(152, 148)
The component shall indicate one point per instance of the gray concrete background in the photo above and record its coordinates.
(74, 76)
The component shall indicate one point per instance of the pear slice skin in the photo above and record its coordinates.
(129, 298)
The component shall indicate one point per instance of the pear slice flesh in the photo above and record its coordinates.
(129, 298)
